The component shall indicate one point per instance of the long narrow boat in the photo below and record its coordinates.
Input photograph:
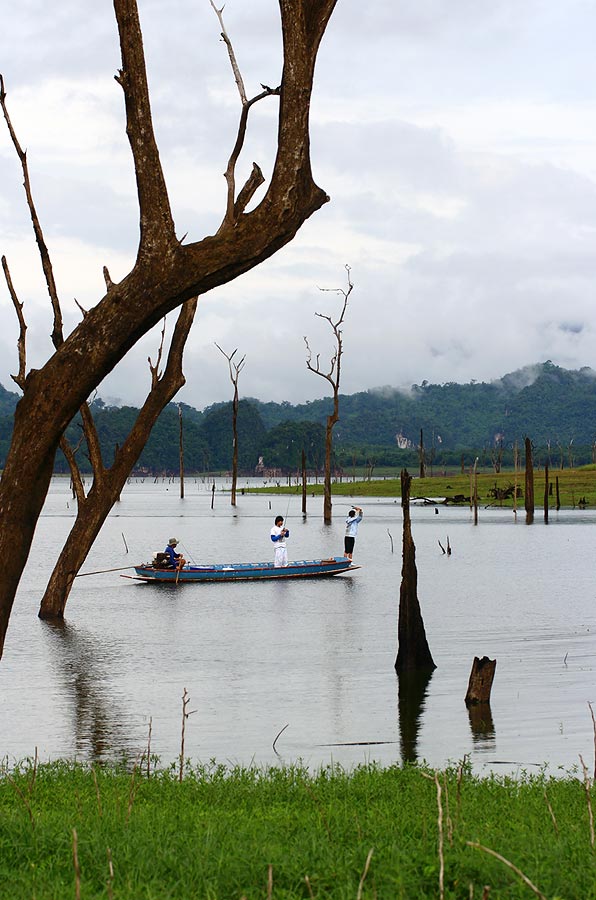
(303, 568)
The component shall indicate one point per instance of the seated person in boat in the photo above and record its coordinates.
(278, 536)
(176, 560)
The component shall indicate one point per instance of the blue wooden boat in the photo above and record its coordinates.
(303, 568)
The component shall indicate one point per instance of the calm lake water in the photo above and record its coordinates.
(317, 656)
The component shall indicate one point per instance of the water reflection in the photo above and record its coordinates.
(482, 725)
(99, 727)
(411, 695)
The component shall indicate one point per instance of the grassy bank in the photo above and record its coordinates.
(70, 831)
(575, 485)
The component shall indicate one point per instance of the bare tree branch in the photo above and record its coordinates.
(57, 331)
(154, 369)
(333, 377)
(21, 344)
(234, 208)
(157, 224)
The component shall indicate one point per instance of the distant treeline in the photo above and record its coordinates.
(555, 407)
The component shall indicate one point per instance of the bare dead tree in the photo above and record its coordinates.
(92, 509)
(166, 272)
(529, 498)
(235, 369)
(332, 375)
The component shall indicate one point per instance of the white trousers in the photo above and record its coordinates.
(281, 557)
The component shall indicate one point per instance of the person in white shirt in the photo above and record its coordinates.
(278, 536)
(352, 522)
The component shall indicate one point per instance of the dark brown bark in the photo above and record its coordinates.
(93, 509)
(529, 498)
(235, 369)
(422, 458)
(165, 275)
(332, 376)
(303, 482)
(481, 680)
(546, 493)
(413, 652)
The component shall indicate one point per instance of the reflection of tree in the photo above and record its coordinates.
(100, 728)
(411, 694)
(481, 723)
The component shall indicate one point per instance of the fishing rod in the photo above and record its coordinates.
(103, 571)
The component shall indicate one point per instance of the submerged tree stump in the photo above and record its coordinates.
(481, 680)
(413, 652)
(529, 500)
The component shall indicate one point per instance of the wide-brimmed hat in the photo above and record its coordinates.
(172, 542)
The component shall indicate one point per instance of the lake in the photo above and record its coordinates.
(316, 656)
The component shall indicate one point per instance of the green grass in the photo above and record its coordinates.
(574, 484)
(223, 834)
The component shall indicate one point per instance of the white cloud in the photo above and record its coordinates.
(457, 143)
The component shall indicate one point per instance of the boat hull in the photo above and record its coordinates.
(314, 568)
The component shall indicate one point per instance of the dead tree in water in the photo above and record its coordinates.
(481, 681)
(235, 369)
(413, 652)
(181, 451)
(93, 507)
(167, 272)
(332, 376)
(529, 483)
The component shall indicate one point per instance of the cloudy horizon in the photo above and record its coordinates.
(457, 144)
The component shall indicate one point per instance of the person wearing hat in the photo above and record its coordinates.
(175, 560)
(352, 522)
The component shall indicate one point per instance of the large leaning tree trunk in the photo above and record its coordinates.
(413, 652)
(166, 272)
(332, 375)
(93, 509)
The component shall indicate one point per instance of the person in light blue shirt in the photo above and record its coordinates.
(352, 522)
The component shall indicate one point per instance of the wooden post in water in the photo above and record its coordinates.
(481, 680)
(475, 493)
(303, 482)
(558, 503)
(422, 459)
(413, 652)
(546, 493)
(181, 452)
(529, 499)
(516, 472)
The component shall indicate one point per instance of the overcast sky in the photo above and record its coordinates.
(457, 141)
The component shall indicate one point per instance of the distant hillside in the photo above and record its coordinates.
(545, 402)
(555, 407)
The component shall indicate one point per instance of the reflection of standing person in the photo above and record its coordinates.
(278, 536)
(352, 522)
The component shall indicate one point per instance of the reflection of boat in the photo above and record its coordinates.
(303, 568)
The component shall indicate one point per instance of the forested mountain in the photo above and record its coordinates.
(555, 407)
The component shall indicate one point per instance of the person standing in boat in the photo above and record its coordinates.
(278, 536)
(176, 560)
(352, 522)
